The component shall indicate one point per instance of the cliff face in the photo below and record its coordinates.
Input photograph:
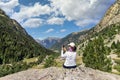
(54, 73)
(112, 16)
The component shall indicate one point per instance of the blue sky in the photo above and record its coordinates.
(55, 18)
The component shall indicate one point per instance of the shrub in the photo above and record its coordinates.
(49, 61)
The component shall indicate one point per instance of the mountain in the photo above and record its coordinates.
(55, 73)
(73, 37)
(16, 45)
(112, 16)
(48, 42)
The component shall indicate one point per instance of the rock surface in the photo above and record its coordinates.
(112, 16)
(54, 73)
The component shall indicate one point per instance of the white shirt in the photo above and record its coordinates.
(70, 58)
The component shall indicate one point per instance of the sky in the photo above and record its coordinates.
(55, 18)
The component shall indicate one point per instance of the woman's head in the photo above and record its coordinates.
(72, 47)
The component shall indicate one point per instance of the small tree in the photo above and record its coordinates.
(113, 46)
(49, 61)
(40, 58)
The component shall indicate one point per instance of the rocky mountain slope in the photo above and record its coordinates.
(54, 73)
(48, 42)
(112, 16)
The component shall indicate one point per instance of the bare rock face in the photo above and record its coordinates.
(54, 73)
(112, 16)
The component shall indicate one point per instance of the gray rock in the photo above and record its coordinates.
(54, 73)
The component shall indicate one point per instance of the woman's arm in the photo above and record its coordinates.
(63, 54)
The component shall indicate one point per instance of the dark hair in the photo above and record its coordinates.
(74, 48)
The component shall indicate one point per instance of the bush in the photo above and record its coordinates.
(49, 61)
(12, 68)
(40, 58)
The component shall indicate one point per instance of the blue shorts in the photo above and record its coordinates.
(69, 67)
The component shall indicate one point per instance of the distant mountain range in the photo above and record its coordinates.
(48, 42)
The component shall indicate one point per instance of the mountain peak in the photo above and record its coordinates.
(112, 16)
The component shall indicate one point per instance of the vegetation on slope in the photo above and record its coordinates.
(96, 50)
(16, 45)
(95, 55)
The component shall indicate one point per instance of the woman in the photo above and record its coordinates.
(70, 56)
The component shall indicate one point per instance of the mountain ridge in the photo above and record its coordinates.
(48, 42)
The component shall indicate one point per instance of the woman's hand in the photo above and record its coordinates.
(64, 49)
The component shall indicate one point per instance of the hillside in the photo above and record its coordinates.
(16, 45)
(54, 73)
(48, 42)
(112, 16)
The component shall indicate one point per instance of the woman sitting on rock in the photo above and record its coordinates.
(70, 56)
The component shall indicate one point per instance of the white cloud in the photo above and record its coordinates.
(79, 10)
(85, 22)
(55, 20)
(62, 30)
(9, 5)
(27, 12)
(33, 23)
(49, 30)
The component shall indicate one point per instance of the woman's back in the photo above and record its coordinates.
(70, 56)
(70, 59)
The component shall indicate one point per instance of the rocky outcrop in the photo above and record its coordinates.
(54, 73)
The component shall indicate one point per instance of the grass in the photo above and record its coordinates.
(30, 60)
(59, 62)
(117, 60)
(117, 67)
